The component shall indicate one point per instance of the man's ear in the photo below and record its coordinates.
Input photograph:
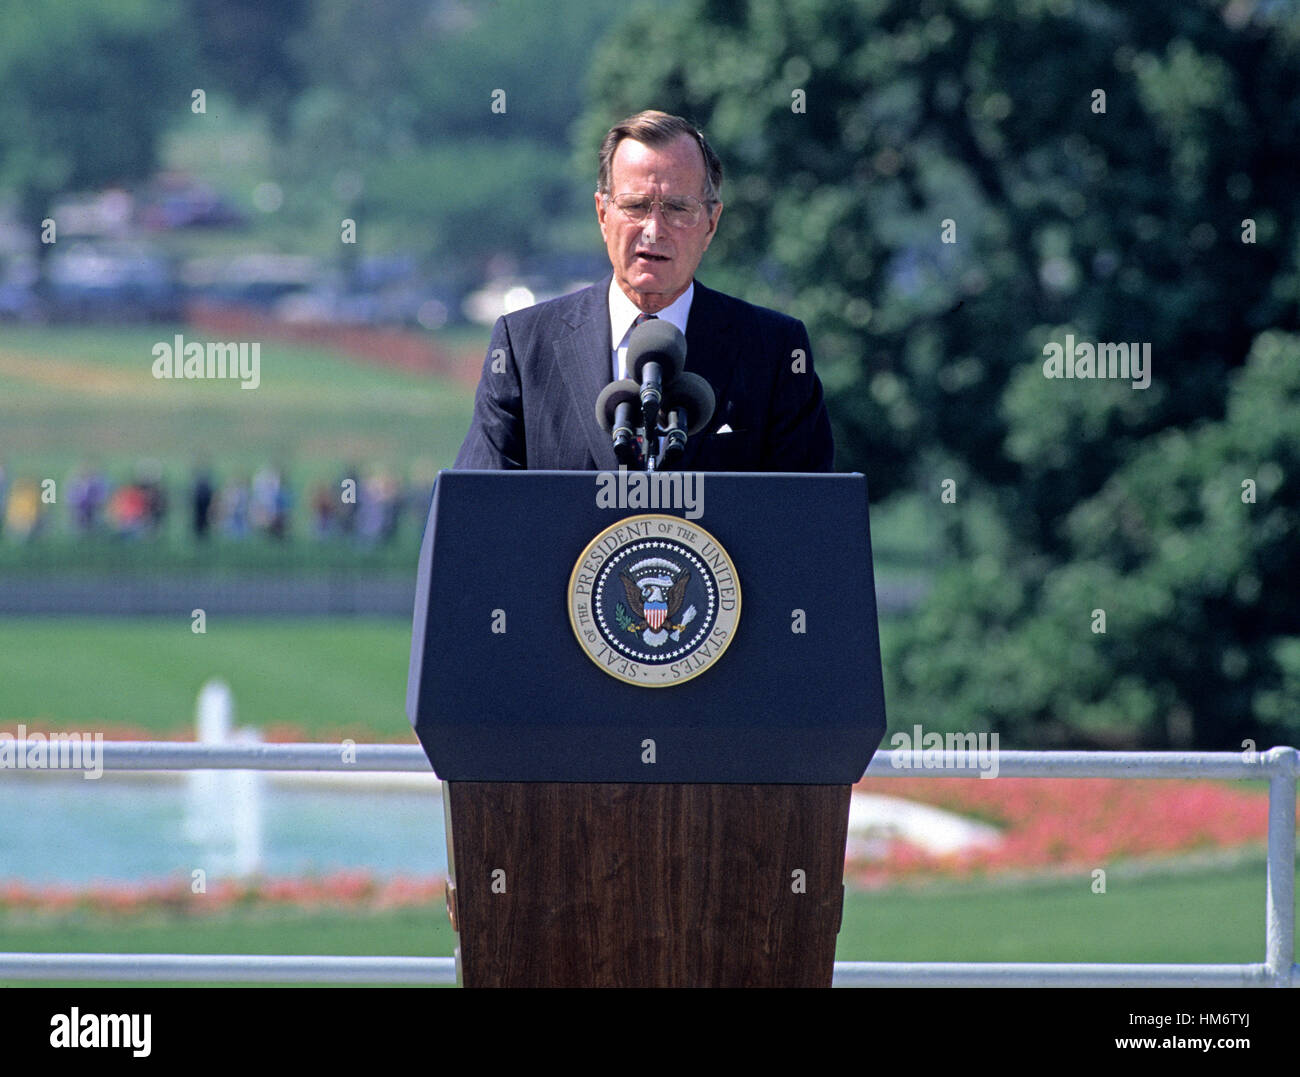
(713, 219)
(600, 213)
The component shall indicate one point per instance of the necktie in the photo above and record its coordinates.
(641, 319)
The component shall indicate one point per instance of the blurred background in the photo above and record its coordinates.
(937, 188)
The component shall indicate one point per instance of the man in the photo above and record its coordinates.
(658, 207)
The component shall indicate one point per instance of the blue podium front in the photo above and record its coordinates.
(614, 627)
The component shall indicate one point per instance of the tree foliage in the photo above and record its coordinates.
(246, 47)
(85, 91)
(451, 120)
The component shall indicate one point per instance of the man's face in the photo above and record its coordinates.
(653, 261)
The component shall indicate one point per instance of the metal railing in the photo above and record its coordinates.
(1280, 766)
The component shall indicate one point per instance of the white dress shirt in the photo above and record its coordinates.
(622, 316)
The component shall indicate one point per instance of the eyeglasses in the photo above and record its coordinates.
(683, 212)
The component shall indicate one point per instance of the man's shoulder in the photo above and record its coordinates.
(722, 307)
(572, 308)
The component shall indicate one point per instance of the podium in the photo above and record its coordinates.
(647, 698)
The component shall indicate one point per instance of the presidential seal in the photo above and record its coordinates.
(654, 600)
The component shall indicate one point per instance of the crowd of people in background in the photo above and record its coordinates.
(367, 508)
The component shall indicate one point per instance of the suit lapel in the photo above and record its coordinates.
(583, 358)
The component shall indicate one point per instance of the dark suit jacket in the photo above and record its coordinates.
(536, 400)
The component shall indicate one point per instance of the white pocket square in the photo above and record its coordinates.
(725, 428)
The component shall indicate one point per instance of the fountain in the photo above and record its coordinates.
(223, 810)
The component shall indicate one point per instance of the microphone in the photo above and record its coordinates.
(617, 409)
(689, 406)
(656, 354)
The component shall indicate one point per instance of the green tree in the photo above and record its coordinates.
(85, 91)
(1169, 620)
(445, 125)
(246, 48)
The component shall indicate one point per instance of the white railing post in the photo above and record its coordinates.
(1279, 913)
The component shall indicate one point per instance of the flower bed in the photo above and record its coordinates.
(1069, 823)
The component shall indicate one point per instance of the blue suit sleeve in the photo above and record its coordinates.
(495, 441)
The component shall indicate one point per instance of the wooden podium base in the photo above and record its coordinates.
(566, 884)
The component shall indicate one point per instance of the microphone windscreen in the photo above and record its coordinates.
(693, 394)
(615, 393)
(656, 341)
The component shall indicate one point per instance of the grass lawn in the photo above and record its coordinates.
(1212, 916)
(325, 678)
(88, 395)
